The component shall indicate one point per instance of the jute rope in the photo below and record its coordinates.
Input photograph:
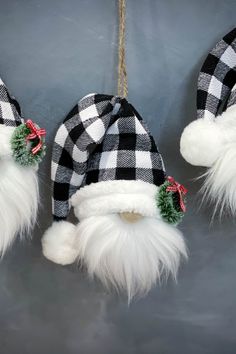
(122, 73)
(122, 89)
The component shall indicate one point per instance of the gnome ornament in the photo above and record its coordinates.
(21, 149)
(210, 141)
(105, 164)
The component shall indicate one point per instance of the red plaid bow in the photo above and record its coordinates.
(179, 188)
(35, 133)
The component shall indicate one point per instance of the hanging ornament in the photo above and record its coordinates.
(21, 149)
(113, 175)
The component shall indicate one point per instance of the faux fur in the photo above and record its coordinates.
(203, 140)
(130, 256)
(5, 138)
(108, 197)
(58, 243)
(220, 180)
(19, 195)
(116, 186)
(213, 144)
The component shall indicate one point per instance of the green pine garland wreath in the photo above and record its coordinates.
(21, 148)
(168, 204)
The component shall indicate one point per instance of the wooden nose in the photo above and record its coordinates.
(131, 217)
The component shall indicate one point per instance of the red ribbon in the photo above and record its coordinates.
(179, 188)
(35, 133)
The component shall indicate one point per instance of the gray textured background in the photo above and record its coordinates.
(52, 52)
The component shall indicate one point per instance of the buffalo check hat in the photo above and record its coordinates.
(210, 140)
(95, 145)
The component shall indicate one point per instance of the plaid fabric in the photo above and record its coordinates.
(103, 138)
(10, 113)
(232, 98)
(217, 77)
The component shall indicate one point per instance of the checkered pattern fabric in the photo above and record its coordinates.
(103, 138)
(217, 77)
(10, 113)
(232, 98)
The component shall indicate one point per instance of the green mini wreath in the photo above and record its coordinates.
(168, 203)
(22, 147)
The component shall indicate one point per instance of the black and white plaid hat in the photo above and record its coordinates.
(21, 149)
(10, 113)
(102, 139)
(217, 77)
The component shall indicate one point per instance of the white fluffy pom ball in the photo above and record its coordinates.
(58, 243)
(201, 142)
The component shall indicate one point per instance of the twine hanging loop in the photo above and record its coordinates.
(122, 72)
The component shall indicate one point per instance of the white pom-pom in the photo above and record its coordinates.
(59, 244)
(201, 142)
(130, 256)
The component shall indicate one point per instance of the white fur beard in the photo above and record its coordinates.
(132, 257)
(220, 182)
(19, 199)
